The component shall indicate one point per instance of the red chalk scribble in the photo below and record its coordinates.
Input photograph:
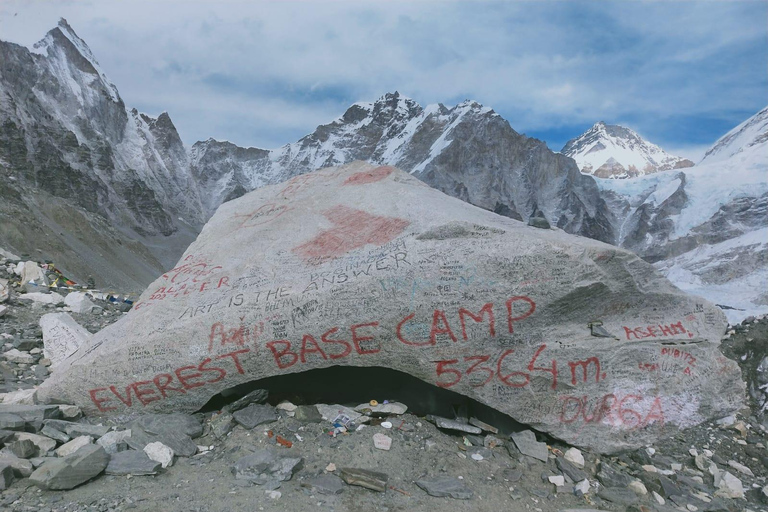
(372, 176)
(352, 229)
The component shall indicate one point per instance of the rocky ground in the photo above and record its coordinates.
(264, 453)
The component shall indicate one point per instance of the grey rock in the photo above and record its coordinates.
(447, 424)
(611, 477)
(254, 415)
(10, 421)
(372, 480)
(618, 495)
(21, 467)
(24, 449)
(528, 445)
(31, 412)
(62, 336)
(185, 423)
(181, 444)
(264, 466)
(86, 429)
(324, 484)
(72, 470)
(114, 441)
(257, 396)
(222, 424)
(6, 435)
(44, 444)
(6, 476)
(511, 474)
(571, 471)
(132, 462)
(307, 414)
(445, 487)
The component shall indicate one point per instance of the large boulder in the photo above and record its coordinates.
(365, 266)
(62, 336)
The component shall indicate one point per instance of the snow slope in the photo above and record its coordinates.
(705, 227)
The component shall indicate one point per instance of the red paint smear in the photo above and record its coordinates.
(372, 176)
(352, 229)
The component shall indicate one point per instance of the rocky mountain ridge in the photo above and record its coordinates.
(613, 151)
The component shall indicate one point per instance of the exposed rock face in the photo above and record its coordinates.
(611, 151)
(467, 151)
(380, 270)
(62, 336)
(75, 161)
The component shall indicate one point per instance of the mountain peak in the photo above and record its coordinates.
(63, 42)
(749, 137)
(615, 151)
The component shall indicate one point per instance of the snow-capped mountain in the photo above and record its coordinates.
(705, 227)
(67, 141)
(467, 151)
(612, 151)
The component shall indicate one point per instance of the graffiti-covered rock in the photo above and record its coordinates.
(367, 266)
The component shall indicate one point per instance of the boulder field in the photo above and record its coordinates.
(367, 266)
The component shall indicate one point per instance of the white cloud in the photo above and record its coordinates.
(265, 73)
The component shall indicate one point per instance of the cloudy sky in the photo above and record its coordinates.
(266, 73)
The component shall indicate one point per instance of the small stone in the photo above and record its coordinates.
(132, 462)
(159, 452)
(638, 488)
(528, 445)
(21, 467)
(575, 457)
(73, 445)
(264, 466)
(740, 468)
(365, 478)
(286, 406)
(558, 480)
(539, 222)
(650, 468)
(44, 444)
(24, 449)
(70, 471)
(307, 414)
(324, 484)
(17, 356)
(331, 467)
(382, 442)
(447, 424)
(729, 486)
(658, 498)
(570, 470)
(254, 415)
(445, 487)
(379, 410)
(274, 495)
(6, 476)
(10, 421)
(477, 457)
(111, 441)
(618, 495)
(69, 412)
(222, 424)
(582, 487)
(386, 424)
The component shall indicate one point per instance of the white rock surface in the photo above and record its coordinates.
(79, 302)
(638, 487)
(62, 336)
(5, 290)
(365, 266)
(728, 486)
(18, 356)
(575, 457)
(3, 311)
(43, 298)
(159, 452)
(382, 442)
(32, 273)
